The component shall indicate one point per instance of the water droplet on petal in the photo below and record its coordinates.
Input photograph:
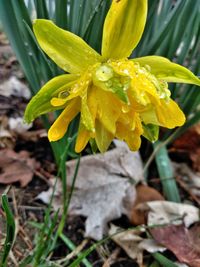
(125, 109)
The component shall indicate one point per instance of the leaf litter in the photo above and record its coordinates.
(16, 167)
(189, 146)
(183, 242)
(133, 243)
(104, 188)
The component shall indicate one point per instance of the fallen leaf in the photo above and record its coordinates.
(189, 144)
(181, 264)
(16, 167)
(103, 191)
(33, 135)
(3, 39)
(187, 174)
(183, 242)
(144, 194)
(18, 125)
(94, 169)
(6, 139)
(188, 180)
(133, 244)
(15, 87)
(166, 212)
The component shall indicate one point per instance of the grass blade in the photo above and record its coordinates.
(71, 246)
(165, 262)
(10, 231)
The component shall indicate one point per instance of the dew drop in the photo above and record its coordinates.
(125, 109)
(104, 73)
(63, 94)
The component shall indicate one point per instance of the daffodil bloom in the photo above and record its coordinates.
(116, 97)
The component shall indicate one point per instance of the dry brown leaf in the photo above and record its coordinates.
(189, 144)
(16, 167)
(103, 191)
(183, 242)
(15, 87)
(6, 138)
(144, 194)
(18, 125)
(3, 39)
(188, 180)
(190, 177)
(166, 212)
(33, 136)
(133, 244)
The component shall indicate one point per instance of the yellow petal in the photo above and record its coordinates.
(59, 128)
(82, 139)
(168, 71)
(86, 115)
(169, 114)
(103, 138)
(132, 138)
(123, 27)
(108, 109)
(66, 49)
(133, 141)
(149, 116)
(41, 102)
(57, 102)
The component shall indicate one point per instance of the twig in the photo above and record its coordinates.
(14, 203)
(31, 207)
(12, 257)
(186, 189)
(74, 253)
(112, 258)
(25, 238)
(41, 176)
(18, 253)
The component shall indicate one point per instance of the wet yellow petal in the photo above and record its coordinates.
(59, 128)
(57, 102)
(92, 102)
(82, 139)
(132, 138)
(109, 109)
(103, 137)
(169, 114)
(86, 116)
(149, 116)
(66, 49)
(168, 71)
(41, 102)
(123, 27)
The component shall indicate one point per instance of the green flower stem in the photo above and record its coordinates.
(166, 174)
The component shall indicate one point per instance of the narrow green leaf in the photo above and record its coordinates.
(166, 173)
(165, 262)
(10, 230)
(71, 246)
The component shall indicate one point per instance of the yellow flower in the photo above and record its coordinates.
(116, 97)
